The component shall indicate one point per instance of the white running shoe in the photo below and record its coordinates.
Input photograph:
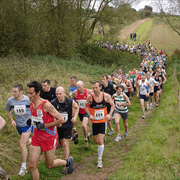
(111, 132)
(118, 138)
(22, 171)
(99, 164)
(156, 104)
(143, 116)
(150, 106)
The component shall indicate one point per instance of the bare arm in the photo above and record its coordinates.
(76, 107)
(110, 101)
(164, 79)
(74, 94)
(88, 100)
(128, 103)
(114, 86)
(2, 123)
(11, 118)
(129, 84)
(48, 107)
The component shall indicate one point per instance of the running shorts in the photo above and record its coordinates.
(81, 116)
(144, 97)
(45, 145)
(123, 115)
(65, 133)
(99, 128)
(24, 129)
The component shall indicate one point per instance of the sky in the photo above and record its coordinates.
(154, 4)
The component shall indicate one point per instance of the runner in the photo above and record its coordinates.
(121, 110)
(143, 91)
(81, 95)
(64, 106)
(44, 136)
(126, 84)
(48, 92)
(21, 109)
(109, 89)
(99, 116)
(73, 87)
(153, 83)
(2, 123)
(157, 88)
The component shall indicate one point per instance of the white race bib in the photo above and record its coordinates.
(65, 116)
(37, 119)
(81, 103)
(98, 114)
(20, 110)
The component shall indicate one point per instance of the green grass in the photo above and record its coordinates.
(142, 31)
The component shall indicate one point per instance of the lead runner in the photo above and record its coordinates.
(44, 118)
(98, 116)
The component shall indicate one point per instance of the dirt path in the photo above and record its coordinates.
(130, 28)
(89, 171)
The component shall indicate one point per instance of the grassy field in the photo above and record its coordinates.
(163, 37)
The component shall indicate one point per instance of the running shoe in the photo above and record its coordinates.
(118, 138)
(125, 133)
(111, 132)
(99, 164)
(75, 139)
(146, 108)
(86, 144)
(3, 175)
(59, 146)
(22, 171)
(156, 104)
(89, 136)
(64, 170)
(150, 106)
(70, 165)
(143, 116)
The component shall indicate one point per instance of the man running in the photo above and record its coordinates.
(73, 87)
(99, 116)
(143, 91)
(44, 118)
(109, 89)
(126, 84)
(48, 92)
(21, 109)
(81, 95)
(64, 106)
(157, 88)
(121, 110)
(153, 83)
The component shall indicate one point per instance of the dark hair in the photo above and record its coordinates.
(105, 76)
(120, 86)
(36, 85)
(98, 83)
(46, 81)
(73, 77)
(19, 86)
(112, 75)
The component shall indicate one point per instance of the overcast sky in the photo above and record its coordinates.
(154, 4)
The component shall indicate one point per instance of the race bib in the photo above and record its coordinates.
(37, 119)
(20, 110)
(65, 116)
(70, 93)
(98, 114)
(81, 103)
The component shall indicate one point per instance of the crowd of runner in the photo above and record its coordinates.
(51, 115)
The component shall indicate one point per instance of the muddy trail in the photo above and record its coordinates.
(113, 153)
